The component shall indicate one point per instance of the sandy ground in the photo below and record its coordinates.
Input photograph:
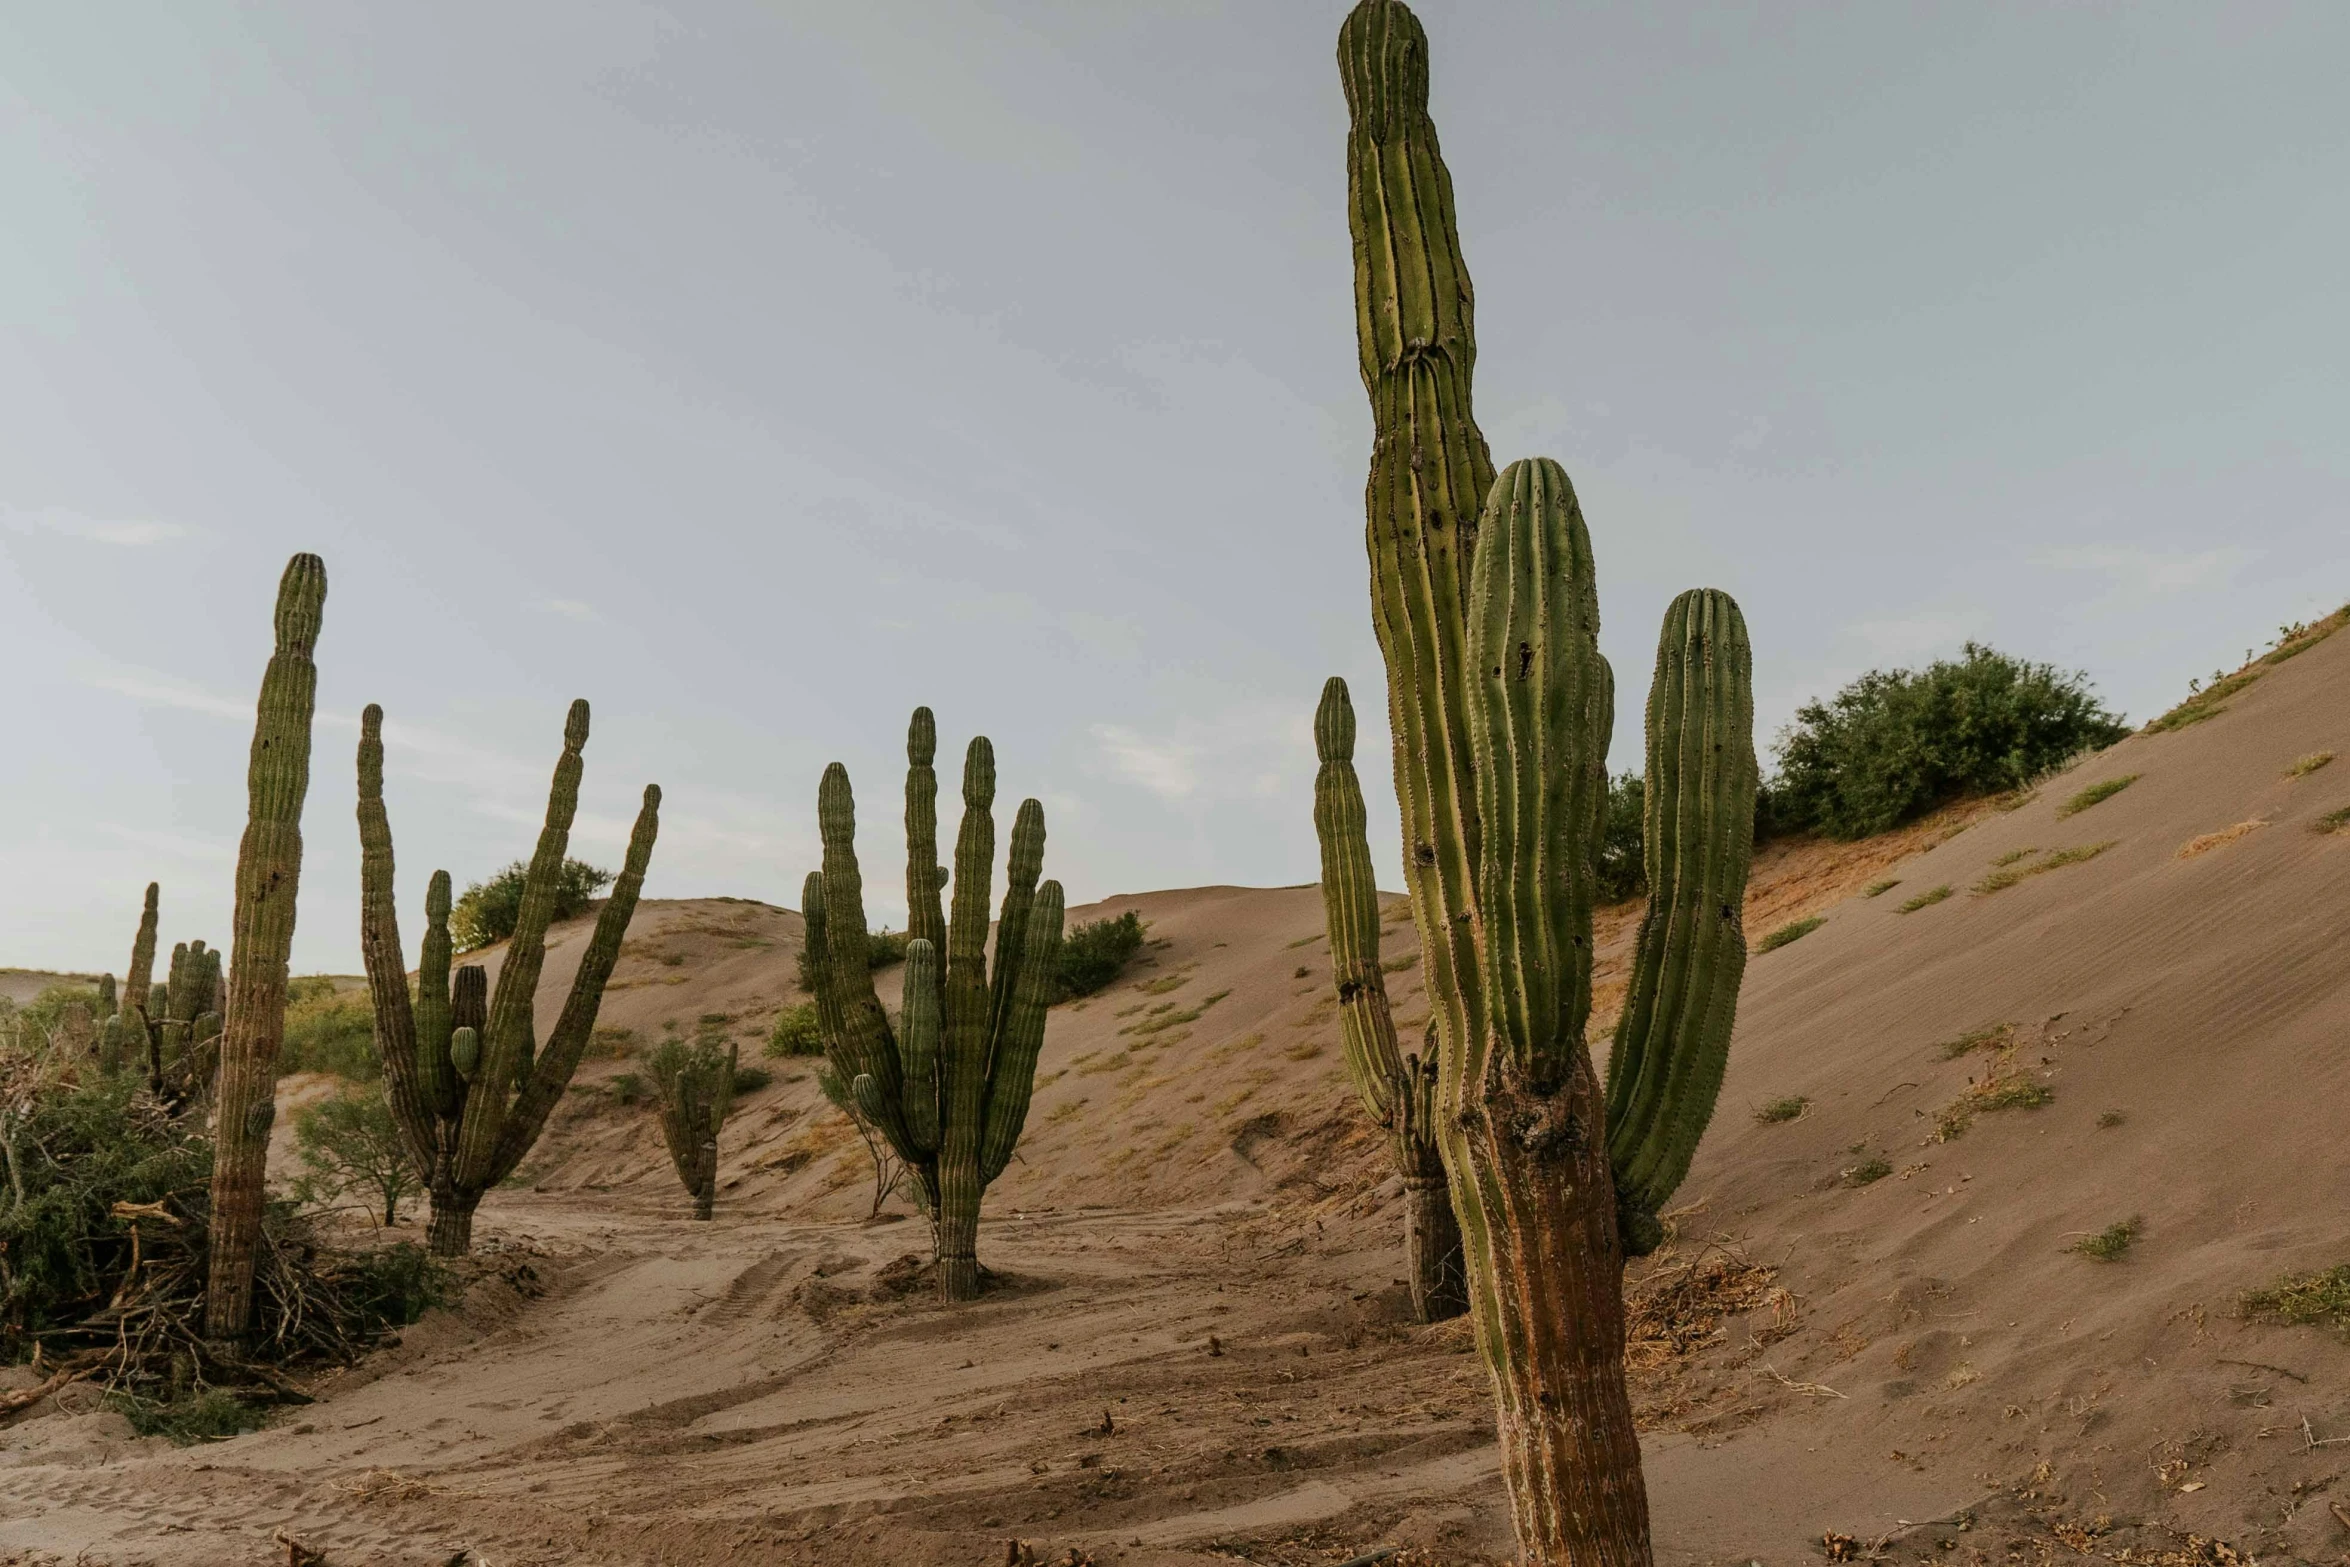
(1199, 1242)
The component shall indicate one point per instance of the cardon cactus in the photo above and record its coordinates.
(695, 1087)
(1398, 1090)
(141, 975)
(949, 1086)
(184, 1035)
(106, 998)
(1486, 608)
(466, 1086)
(269, 875)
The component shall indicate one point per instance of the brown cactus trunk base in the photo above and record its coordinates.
(1432, 1250)
(450, 1234)
(240, 1155)
(958, 1277)
(703, 1201)
(1538, 1212)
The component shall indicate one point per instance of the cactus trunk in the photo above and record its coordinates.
(466, 1082)
(695, 1085)
(949, 1088)
(269, 873)
(1394, 1088)
(1485, 603)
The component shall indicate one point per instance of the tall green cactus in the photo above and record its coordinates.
(184, 1035)
(466, 1085)
(141, 974)
(1485, 602)
(949, 1087)
(1398, 1090)
(694, 1085)
(269, 875)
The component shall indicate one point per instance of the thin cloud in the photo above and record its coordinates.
(2148, 571)
(72, 525)
(156, 690)
(570, 609)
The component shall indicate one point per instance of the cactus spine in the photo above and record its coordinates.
(1485, 603)
(1398, 1090)
(465, 1083)
(695, 1086)
(269, 875)
(950, 1087)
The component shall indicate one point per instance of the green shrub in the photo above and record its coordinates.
(350, 1143)
(750, 1079)
(1794, 930)
(488, 909)
(328, 1031)
(882, 948)
(1878, 888)
(2334, 821)
(2113, 1242)
(1868, 1171)
(628, 1088)
(2309, 764)
(207, 1416)
(795, 1032)
(2305, 1299)
(1892, 746)
(1623, 864)
(1926, 899)
(2096, 793)
(1773, 1111)
(1095, 953)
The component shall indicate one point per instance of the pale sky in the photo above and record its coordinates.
(760, 371)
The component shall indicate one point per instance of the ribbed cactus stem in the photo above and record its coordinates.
(107, 1003)
(695, 1087)
(269, 875)
(1399, 1095)
(919, 1022)
(1012, 1082)
(925, 920)
(1673, 1040)
(140, 976)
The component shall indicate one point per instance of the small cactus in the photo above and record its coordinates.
(695, 1087)
(949, 1088)
(463, 1073)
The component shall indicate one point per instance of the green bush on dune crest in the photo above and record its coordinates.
(1096, 953)
(1892, 746)
(487, 910)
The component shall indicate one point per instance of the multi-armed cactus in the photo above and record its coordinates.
(949, 1087)
(1486, 608)
(695, 1087)
(469, 1091)
(183, 1035)
(123, 1040)
(1398, 1089)
(269, 874)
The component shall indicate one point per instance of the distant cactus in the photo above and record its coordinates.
(1398, 1090)
(106, 998)
(1485, 603)
(950, 1086)
(469, 1090)
(184, 1033)
(269, 876)
(139, 977)
(695, 1087)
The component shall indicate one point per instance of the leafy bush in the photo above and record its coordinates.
(206, 1416)
(328, 1031)
(1893, 745)
(2304, 1299)
(750, 1079)
(1623, 864)
(795, 1032)
(2113, 1242)
(1095, 953)
(350, 1143)
(488, 910)
(2096, 793)
(1773, 1111)
(889, 1171)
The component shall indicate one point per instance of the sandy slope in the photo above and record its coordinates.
(773, 1386)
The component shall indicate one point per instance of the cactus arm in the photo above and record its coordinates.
(918, 1033)
(406, 1086)
(141, 974)
(1672, 1043)
(568, 1040)
(508, 1041)
(1538, 734)
(924, 922)
(107, 1002)
(1013, 1080)
(269, 877)
(857, 1036)
(1350, 908)
(443, 1093)
(965, 1042)
(1021, 868)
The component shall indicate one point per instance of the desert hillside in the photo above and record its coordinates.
(2015, 1027)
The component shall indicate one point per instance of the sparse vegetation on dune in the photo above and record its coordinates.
(2209, 701)
(2204, 843)
(2112, 1243)
(2333, 821)
(2055, 859)
(1926, 899)
(1773, 1111)
(2319, 1299)
(1879, 888)
(485, 913)
(2306, 765)
(2096, 794)
(1793, 930)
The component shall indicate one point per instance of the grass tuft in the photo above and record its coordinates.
(1991, 1036)
(2304, 1299)
(2309, 764)
(1994, 1092)
(2054, 859)
(2113, 1242)
(1772, 1111)
(1926, 899)
(2013, 855)
(2111, 1119)
(2333, 821)
(1793, 931)
(1879, 887)
(2096, 793)
(1869, 1170)
(2215, 840)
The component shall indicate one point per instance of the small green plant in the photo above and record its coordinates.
(750, 1079)
(2113, 1242)
(2055, 859)
(2208, 701)
(628, 1089)
(2013, 1091)
(889, 1171)
(610, 1044)
(1926, 899)
(2304, 1299)
(2110, 1119)
(2096, 793)
(1095, 953)
(2309, 764)
(1620, 860)
(2013, 855)
(1879, 888)
(208, 1416)
(1773, 1111)
(350, 1143)
(1869, 1170)
(487, 910)
(328, 1030)
(796, 1032)
(1795, 930)
(1992, 1036)
(2334, 821)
